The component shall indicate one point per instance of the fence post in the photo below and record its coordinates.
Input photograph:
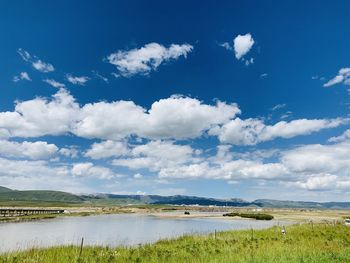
(81, 246)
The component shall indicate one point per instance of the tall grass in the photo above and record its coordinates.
(302, 243)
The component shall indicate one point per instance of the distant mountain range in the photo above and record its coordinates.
(43, 197)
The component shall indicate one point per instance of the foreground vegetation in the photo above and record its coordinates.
(302, 243)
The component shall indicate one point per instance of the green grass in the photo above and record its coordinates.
(302, 243)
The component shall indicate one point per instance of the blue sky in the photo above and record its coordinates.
(233, 99)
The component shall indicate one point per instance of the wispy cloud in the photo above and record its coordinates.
(147, 58)
(36, 63)
(77, 80)
(278, 107)
(54, 83)
(22, 76)
(342, 77)
(99, 76)
(43, 66)
(226, 45)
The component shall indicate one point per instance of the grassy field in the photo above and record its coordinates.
(302, 243)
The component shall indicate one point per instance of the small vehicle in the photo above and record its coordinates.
(347, 222)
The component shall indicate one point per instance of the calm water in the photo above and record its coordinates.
(111, 230)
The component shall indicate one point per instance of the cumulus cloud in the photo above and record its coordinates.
(310, 167)
(156, 155)
(89, 169)
(242, 45)
(318, 158)
(323, 182)
(342, 77)
(22, 76)
(175, 117)
(31, 150)
(36, 63)
(107, 149)
(54, 83)
(172, 118)
(40, 174)
(32, 174)
(253, 131)
(77, 80)
(40, 116)
(147, 58)
(70, 151)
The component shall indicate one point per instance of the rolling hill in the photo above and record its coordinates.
(35, 196)
(4, 189)
(58, 198)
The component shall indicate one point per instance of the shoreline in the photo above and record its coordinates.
(295, 215)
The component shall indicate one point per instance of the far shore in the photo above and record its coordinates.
(167, 211)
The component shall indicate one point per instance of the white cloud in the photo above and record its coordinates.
(310, 167)
(248, 62)
(39, 117)
(89, 169)
(253, 131)
(318, 158)
(70, 151)
(147, 58)
(31, 150)
(77, 80)
(286, 115)
(138, 176)
(37, 63)
(226, 45)
(229, 170)
(342, 77)
(54, 83)
(24, 54)
(278, 107)
(22, 76)
(345, 136)
(172, 118)
(323, 182)
(242, 45)
(156, 155)
(42, 66)
(175, 117)
(107, 149)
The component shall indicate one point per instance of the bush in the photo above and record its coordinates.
(257, 216)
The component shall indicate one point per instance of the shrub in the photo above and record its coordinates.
(257, 216)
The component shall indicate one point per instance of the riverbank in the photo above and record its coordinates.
(166, 211)
(302, 243)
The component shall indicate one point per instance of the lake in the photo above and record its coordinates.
(112, 230)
